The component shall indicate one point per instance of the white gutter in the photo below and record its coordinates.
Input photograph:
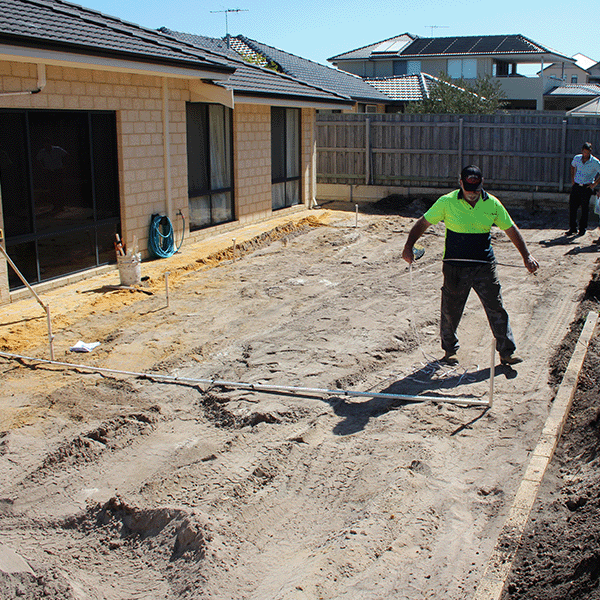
(167, 148)
(41, 83)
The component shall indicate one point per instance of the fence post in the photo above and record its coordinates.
(367, 151)
(563, 151)
(460, 144)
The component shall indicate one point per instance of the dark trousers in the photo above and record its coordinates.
(580, 197)
(483, 278)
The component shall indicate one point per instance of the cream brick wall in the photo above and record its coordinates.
(252, 161)
(138, 103)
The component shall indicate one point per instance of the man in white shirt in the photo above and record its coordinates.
(585, 176)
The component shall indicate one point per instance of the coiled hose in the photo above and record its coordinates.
(161, 240)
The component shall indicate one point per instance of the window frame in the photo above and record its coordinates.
(30, 246)
(209, 191)
(288, 180)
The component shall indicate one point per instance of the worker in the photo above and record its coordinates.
(468, 215)
(585, 176)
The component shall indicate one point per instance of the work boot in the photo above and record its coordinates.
(511, 359)
(450, 358)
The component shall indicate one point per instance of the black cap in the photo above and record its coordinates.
(471, 178)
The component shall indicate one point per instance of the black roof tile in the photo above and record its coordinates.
(252, 79)
(316, 74)
(60, 25)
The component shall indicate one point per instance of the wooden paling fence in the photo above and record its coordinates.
(515, 151)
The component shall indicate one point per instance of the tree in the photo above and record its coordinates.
(482, 96)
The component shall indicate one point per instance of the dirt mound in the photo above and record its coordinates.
(568, 505)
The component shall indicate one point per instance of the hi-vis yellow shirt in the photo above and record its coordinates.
(468, 227)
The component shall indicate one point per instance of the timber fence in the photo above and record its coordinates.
(515, 151)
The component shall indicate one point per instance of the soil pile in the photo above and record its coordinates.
(119, 487)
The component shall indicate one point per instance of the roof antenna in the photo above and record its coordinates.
(432, 27)
(227, 11)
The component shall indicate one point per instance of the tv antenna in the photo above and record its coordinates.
(227, 11)
(432, 27)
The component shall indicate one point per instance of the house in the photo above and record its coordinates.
(104, 123)
(571, 73)
(568, 97)
(594, 73)
(468, 57)
(365, 97)
(404, 89)
(591, 108)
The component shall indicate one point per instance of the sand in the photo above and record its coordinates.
(119, 486)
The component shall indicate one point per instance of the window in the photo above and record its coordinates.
(400, 67)
(210, 179)
(573, 78)
(285, 157)
(60, 191)
(413, 67)
(462, 67)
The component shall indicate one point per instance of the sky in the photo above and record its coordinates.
(320, 29)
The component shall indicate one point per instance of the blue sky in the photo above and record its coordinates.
(319, 29)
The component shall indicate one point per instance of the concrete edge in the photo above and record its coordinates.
(501, 560)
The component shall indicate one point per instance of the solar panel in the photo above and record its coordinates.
(462, 45)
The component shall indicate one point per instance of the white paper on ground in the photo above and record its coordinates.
(83, 347)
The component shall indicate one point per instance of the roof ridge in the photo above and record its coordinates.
(152, 36)
(414, 37)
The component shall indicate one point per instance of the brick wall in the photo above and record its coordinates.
(138, 103)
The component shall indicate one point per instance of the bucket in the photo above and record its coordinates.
(130, 269)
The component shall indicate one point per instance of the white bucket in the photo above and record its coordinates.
(130, 269)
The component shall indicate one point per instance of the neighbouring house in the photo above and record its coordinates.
(569, 96)
(468, 57)
(594, 73)
(591, 108)
(571, 73)
(404, 89)
(104, 123)
(365, 97)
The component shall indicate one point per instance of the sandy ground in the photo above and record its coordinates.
(121, 487)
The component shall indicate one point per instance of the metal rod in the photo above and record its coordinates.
(21, 277)
(258, 386)
(492, 372)
(50, 335)
(356, 220)
(167, 287)
(46, 307)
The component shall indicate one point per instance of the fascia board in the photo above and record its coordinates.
(292, 103)
(68, 59)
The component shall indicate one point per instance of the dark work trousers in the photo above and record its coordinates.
(580, 197)
(483, 278)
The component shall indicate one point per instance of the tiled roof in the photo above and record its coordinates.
(589, 109)
(453, 46)
(314, 73)
(253, 80)
(367, 51)
(583, 89)
(409, 88)
(59, 25)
